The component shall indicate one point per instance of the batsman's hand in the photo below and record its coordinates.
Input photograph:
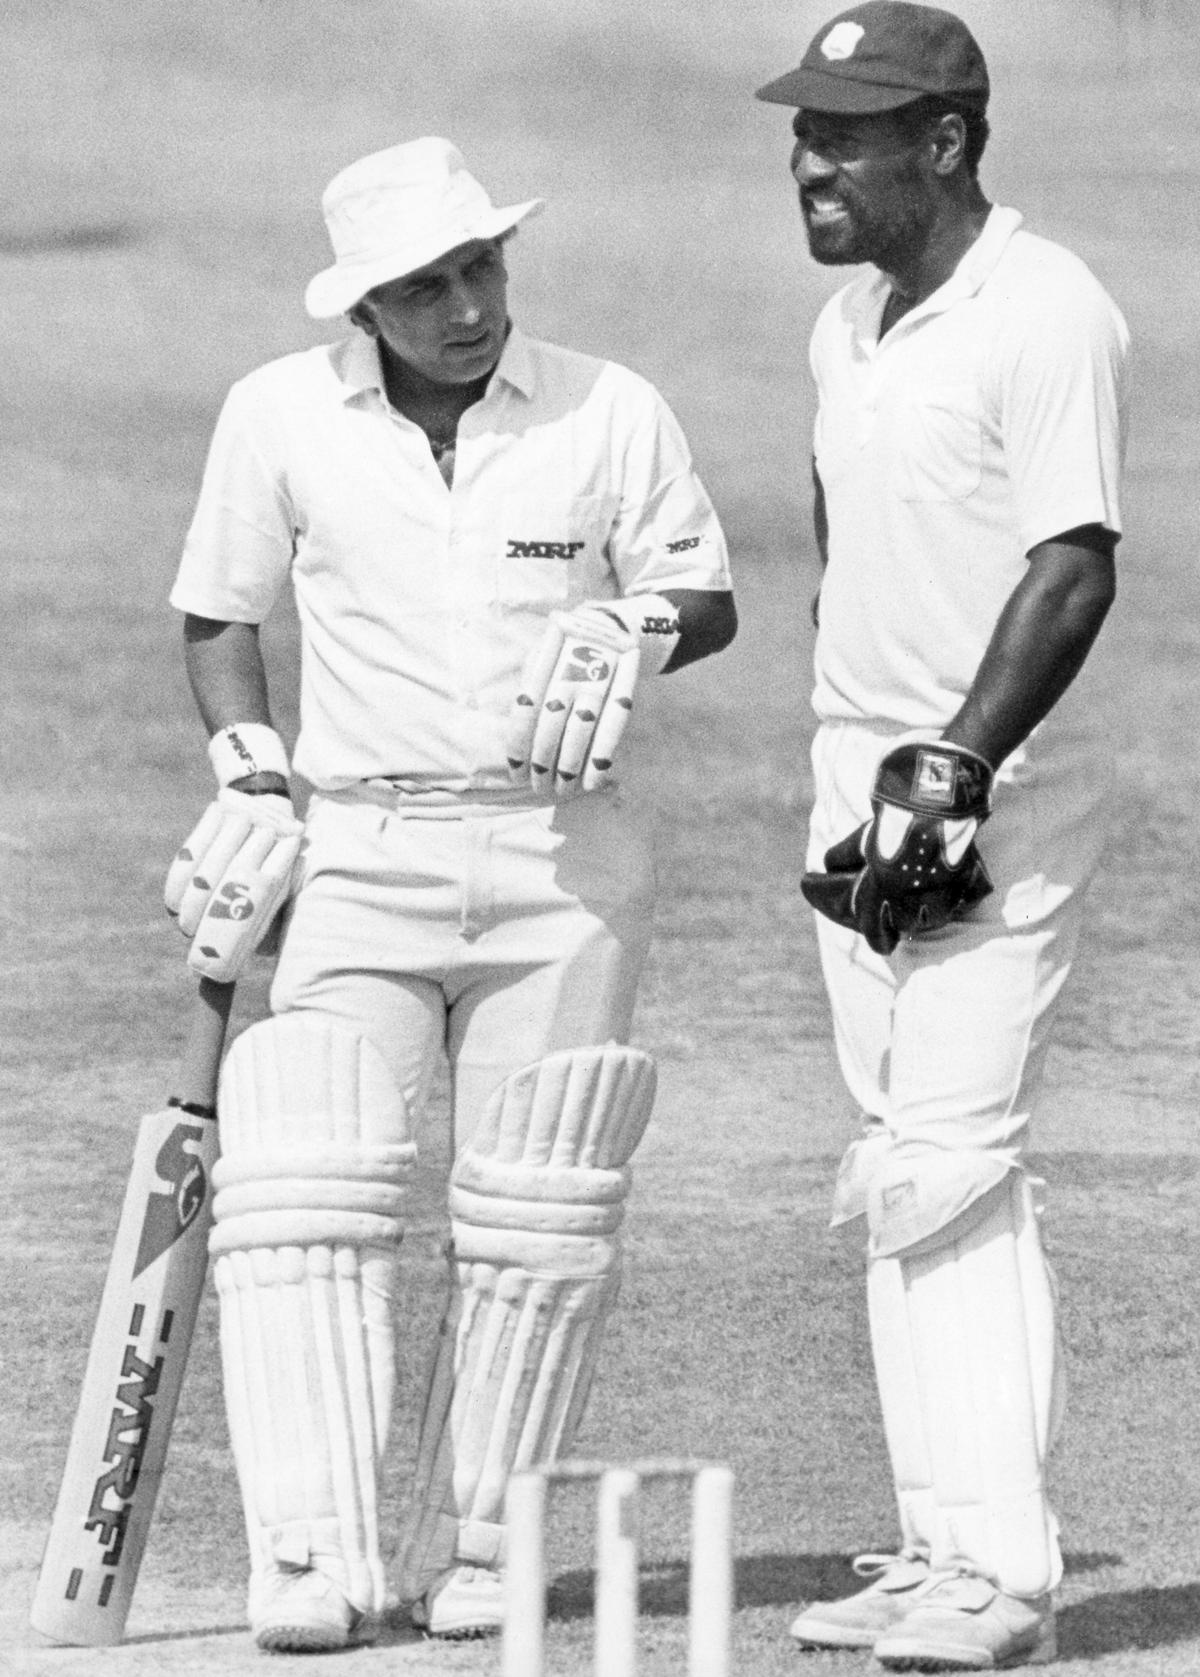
(231, 878)
(914, 867)
(575, 697)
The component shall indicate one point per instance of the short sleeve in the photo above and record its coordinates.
(241, 542)
(665, 533)
(1063, 410)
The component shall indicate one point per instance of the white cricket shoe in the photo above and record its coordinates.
(461, 1602)
(858, 1621)
(296, 1610)
(961, 1622)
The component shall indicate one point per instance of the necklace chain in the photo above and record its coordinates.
(441, 441)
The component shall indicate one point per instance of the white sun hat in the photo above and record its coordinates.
(394, 211)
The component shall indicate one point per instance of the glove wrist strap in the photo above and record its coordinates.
(935, 778)
(247, 748)
(654, 621)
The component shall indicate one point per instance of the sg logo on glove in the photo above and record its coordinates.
(232, 902)
(586, 663)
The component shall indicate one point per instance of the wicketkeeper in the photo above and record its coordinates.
(971, 399)
(493, 543)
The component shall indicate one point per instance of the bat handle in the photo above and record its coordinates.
(201, 1062)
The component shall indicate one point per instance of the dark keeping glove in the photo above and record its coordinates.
(914, 866)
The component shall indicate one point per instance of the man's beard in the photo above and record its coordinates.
(886, 234)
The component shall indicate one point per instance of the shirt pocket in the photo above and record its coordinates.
(939, 445)
(551, 551)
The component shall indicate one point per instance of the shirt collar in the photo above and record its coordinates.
(515, 366)
(355, 362)
(975, 267)
(979, 262)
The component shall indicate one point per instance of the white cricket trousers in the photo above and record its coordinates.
(493, 936)
(946, 1041)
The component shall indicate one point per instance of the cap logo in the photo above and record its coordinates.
(842, 40)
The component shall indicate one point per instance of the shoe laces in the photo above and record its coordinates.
(463, 1576)
(874, 1566)
(959, 1579)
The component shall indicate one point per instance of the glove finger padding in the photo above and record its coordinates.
(244, 905)
(231, 877)
(610, 724)
(848, 854)
(833, 895)
(575, 699)
(184, 900)
(527, 707)
(918, 867)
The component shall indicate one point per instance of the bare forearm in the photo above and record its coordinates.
(229, 680)
(225, 667)
(1039, 645)
(707, 624)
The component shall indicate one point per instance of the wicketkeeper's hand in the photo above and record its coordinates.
(576, 691)
(232, 877)
(914, 867)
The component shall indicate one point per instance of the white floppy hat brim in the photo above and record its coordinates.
(338, 288)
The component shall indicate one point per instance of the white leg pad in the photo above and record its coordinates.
(536, 1203)
(315, 1165)
(963, 1330)
(900, 1403)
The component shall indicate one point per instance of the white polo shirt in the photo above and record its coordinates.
(989, 419)
(419, 603)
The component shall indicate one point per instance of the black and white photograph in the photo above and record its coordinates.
(600, 838)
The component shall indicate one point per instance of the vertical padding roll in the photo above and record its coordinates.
(900, 1403)
(536, 1203)
(315, 1166)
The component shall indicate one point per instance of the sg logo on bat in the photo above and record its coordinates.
(171, 1210)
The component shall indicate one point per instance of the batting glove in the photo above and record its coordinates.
(576, 691)
(233, 873)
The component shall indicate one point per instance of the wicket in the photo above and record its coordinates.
(710, 1583)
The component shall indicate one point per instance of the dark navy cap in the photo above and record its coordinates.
(881, 55)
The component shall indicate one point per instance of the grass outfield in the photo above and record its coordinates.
(168, 163)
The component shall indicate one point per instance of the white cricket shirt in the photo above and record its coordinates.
(989, 419)
(419, 603)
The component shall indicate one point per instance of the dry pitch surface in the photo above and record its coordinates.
(164, 165)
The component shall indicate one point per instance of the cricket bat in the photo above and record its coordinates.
(138, 1354)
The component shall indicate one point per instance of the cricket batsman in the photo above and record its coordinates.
(971, 385)
(493, 544)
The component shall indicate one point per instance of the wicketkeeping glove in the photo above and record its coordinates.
(576, 691)
(914, 867)
(231, 878)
